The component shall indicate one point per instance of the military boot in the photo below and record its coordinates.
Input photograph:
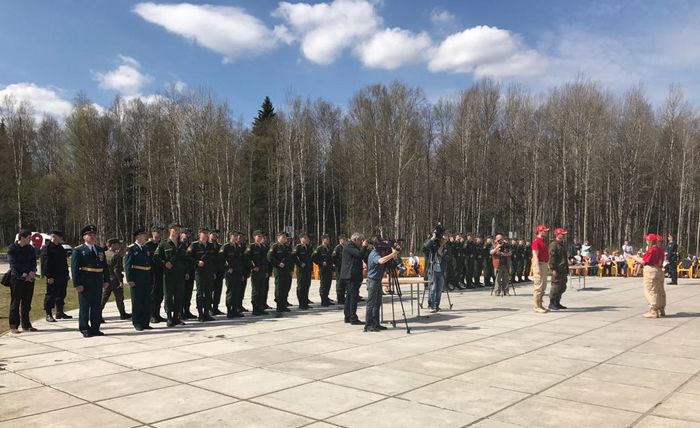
(170, 322)
(560, 305)
(553, 305)
(49, 316)
(653, 313)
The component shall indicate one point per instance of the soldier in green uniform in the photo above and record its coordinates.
(487, 262)
(246, 273)
(219, 274)
(266, 245)
(186, 239)
(90, 274)
(527, 260)
(324, 260)
(282, 261)
(515, 260)
(304, 267)
(233, 255)
(458, 255)
(115, 263)
(469, 260)
(156, 277)
(171, 256)
(337, 262)
(137, 269)
(478, 261)
(559, 266)
(204, 256)
(256, 256)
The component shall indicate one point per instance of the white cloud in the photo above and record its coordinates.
(227, 30)
(179, 86)
(486, 51)
(44, 100)
(326, 29)
(442, 18)
(393, 48)
(126, 79)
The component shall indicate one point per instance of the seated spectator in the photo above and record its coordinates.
(621, 262)
(415, 263)
(593, 263)
(607, 261)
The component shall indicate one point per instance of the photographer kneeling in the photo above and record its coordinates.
(440, 253)
(375, 272)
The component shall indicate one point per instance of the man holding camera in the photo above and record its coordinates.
(351, 275)
(559, 265)
(375, 272)
(440, 252)
(500, 257)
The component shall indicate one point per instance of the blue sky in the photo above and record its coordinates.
(244, 50)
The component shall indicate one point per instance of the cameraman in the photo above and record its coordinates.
(379, 256)
(500, 255)
(440, 251)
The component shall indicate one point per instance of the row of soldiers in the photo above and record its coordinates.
(471, 260)
(178, 261)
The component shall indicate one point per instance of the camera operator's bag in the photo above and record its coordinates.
(6, 278)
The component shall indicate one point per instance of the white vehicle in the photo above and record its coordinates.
(45, 239)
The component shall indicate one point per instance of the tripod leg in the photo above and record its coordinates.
(448, 298)
(393, 316)
(403, 310)
(422, 299)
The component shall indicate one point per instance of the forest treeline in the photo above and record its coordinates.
(493, 157)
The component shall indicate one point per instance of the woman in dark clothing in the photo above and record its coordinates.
(22, 260)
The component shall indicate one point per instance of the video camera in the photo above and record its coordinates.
(438, 232)
(385, 246)
(505, 247)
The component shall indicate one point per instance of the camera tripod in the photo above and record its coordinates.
(395, 288)
(431, 277)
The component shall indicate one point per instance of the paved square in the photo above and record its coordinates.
(490, 362)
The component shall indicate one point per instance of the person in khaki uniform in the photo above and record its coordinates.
(653, 276)
(540, 267)
(559, 266)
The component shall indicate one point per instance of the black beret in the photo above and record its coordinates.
(90, 228)
(303, 234)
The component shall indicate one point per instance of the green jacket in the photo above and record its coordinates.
(302, 257)
(175, 253)
(558, 259)
(323, 258)
(278, 255)
(207, 253)
(256, 257)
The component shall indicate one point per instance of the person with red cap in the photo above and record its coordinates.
(559, 266)
(540, 268)
(653, 276)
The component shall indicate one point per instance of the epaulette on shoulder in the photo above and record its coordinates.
(130, 246)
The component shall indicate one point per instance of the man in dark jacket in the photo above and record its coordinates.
(672, 258)
(54, 267)
(23, 267)
(90, 275)
(338, 262)
(351, 275)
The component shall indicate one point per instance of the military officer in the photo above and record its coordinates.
(266, 246)
(115, 263)
(233, 255)
(186, 239)
(54, 267)
(324, 260)
(137, 269)
(219, 275)
(156, 276)
(515, 260)
(478, 261)
(559, 266)
(304, 268)
(90, 274)
(672, 258)
(337, 262)
(171, 256)
(458, 255)
(282, 261)
(256, 256)
(246, 272)
(469, 260)
(204, 256)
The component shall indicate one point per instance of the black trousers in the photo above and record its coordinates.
(218, 289)
(21, 293)
(303, 286)
(141, 304)
(55, 294)
(283, 283)
(259, 292)
(235, 287)
(352, 296)
(326, 279)
(339, 287)
(174, 291)
(187, 297)
(90, 301)
(673, 271)
(156, 293)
